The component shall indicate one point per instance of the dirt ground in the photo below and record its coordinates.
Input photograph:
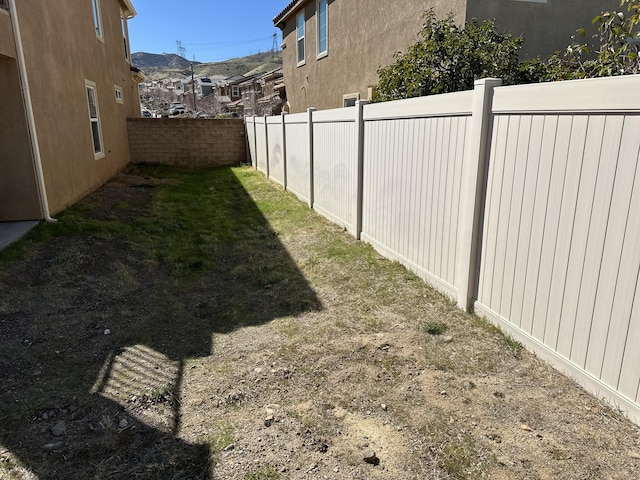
(292, 352)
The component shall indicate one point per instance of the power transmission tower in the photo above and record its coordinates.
(274, 46)
(181, 50)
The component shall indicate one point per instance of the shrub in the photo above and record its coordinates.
(449, 58)
(616, 54)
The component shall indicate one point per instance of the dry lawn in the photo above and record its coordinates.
(188, 325)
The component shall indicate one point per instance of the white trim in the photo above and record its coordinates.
(97, 19)
(88, 87)
(118, 93)
(302, 39)
(350, 96)
(124, 25)
(325, 52)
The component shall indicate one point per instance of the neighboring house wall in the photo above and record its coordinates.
(362, 37)
(546, 25)
(63, 55)
(187, 142)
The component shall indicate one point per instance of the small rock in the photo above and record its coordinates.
(52, 447)
(59, 429)
(107, 331)
(526, 428)
(635, 455)
(123, 423)
(383, 406)
(469, 385)
(448, 339)
(229, 447)
(311, 467)
(371, 458)
(268, 421)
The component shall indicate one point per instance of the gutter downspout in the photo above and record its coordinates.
(26, 94)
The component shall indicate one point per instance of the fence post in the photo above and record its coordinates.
(254, 161)
(266, 143)
(284, 149)
(473, 188)
(310, 129)
(360, 155)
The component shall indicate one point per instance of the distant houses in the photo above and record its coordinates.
(237, 96)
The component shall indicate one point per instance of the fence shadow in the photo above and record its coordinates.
(99, 319)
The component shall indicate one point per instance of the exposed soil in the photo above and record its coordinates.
(290, 351)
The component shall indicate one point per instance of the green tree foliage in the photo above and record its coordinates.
(448, 58)
(617, 51)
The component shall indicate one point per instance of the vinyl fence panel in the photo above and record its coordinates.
(276, 149)
(411, 183)
(335, 166)
(261, 161)
(298, 161)
(251, 138)
(560, 257)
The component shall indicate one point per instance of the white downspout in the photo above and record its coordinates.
(29, 108)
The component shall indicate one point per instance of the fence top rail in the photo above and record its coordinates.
(594, 95)
(347, 114)
(296, 118)
(448, 104)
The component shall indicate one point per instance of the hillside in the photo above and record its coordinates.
(157, 66)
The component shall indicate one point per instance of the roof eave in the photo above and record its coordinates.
(279, 19)
(130, 11)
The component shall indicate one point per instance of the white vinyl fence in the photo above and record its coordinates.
(520, 202)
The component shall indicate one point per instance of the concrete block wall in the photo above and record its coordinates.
(186, 142)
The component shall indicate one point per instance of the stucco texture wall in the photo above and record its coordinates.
(362, 37)
(187, 142)
(61, 52)
(19, 198)
(546, 27)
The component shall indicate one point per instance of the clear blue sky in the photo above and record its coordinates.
(212, 30)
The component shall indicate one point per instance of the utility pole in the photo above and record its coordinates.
(193, 86)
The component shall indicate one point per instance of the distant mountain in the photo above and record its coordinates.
(167, 65)
(144, 60)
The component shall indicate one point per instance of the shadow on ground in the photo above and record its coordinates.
(100, 313)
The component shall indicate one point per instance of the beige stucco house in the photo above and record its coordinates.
(67, 88)
(332, 49)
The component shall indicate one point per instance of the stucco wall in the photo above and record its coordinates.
(18, 191)
(546, 27)
(362, 37)
(7, 45)
(187, 142)
(61, 52)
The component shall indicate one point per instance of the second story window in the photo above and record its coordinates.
(235, 91)
(300, 37)
(94, 119)
(125, 35)
(97, 18)
(322, 28)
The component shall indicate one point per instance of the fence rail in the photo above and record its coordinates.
(521, 202)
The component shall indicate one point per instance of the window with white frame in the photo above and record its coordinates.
(118, 92)
(94, 118)
(300, 37)
(125, 36)
(97, 18)
(235, 91)
(323, 46)
(350, 99)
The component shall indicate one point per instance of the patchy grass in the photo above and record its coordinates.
(206, 324)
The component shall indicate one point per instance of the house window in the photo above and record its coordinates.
(300, 37)
(94, 119)
(118, 91)
(125, 35)
(322, 28)
(350, 99)
(97, 18)
(235, 91)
